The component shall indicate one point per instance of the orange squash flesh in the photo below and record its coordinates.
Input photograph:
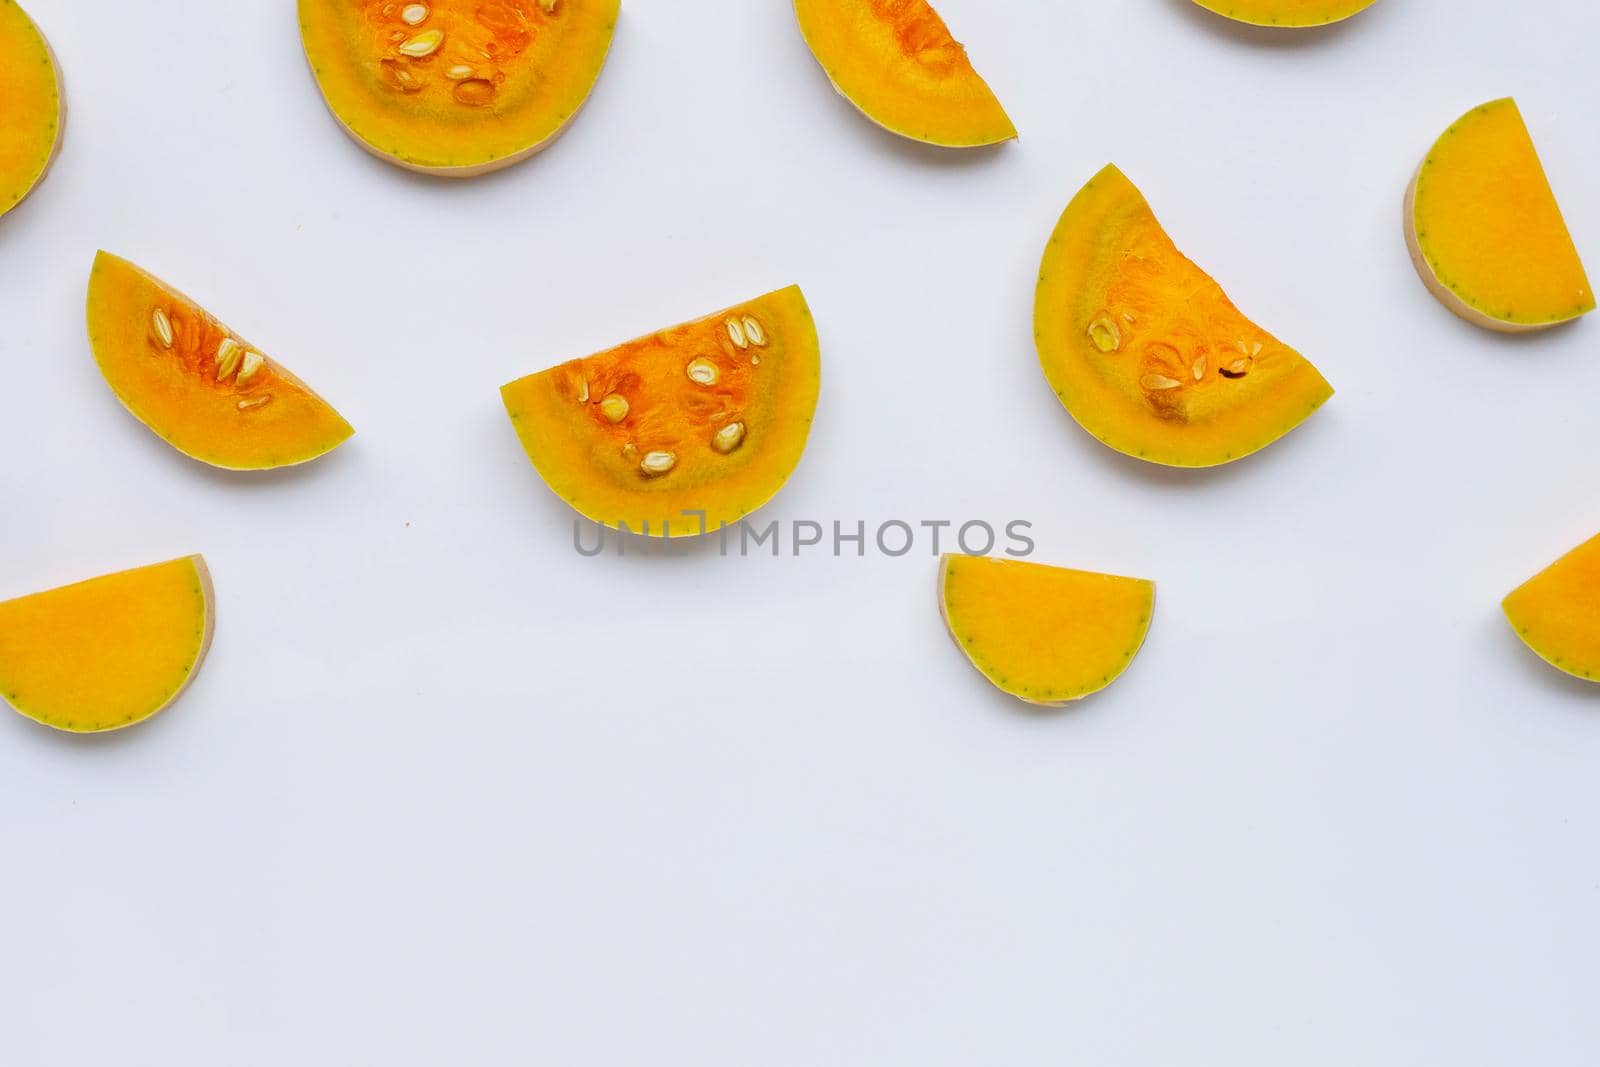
(109, 652)
(34, 106)
(1296, 14)
(1557, 612)
(711, 416)
(199, 386)
(1045, 635)
(896, 61)
(456, 87)
(1147, 352)
(1485, 231)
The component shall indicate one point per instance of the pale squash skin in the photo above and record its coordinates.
(1485, 232)
(270, 420)
(1045, 635)
(428, 130)
(896, 61)
(1183, 378)
(1287, 14)
(765, 382)
(110, 652)
(1557, 612)
(35, 103)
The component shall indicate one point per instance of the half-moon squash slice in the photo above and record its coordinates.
(1485, 231)
(1290, 14)
(708, 417)
(1045, 635)
(109, 652)
(456, 87)
(1557, 612)
(34, 103)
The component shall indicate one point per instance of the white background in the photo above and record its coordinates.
(446, 792)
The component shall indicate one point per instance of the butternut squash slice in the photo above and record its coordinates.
(1147, 352)
(1292, 14)
(1485, 231)
(896, 61)
(711, 416)
(1557, 612)
(456, 87)
(1045, 635)
(34, 102)
(109, 652)
(204, 390)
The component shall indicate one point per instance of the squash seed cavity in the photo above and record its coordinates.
(474, 92)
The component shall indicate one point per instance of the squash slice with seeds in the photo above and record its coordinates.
(456, 88)
(1147, 352)
(109, 652)
(1045, 635)
(708, 417)
(896, 61)
(198, 385)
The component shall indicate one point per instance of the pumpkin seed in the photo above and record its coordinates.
(754, 331)
(1105, 335)
(702, 371)
(162, 326)
(229, 353)
(252, 362)
(728, 438)
(1158, 382)
(423, 44)
(414, 14)
(736, 334)
(614, 408)
(254, 401)
(658, 462)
